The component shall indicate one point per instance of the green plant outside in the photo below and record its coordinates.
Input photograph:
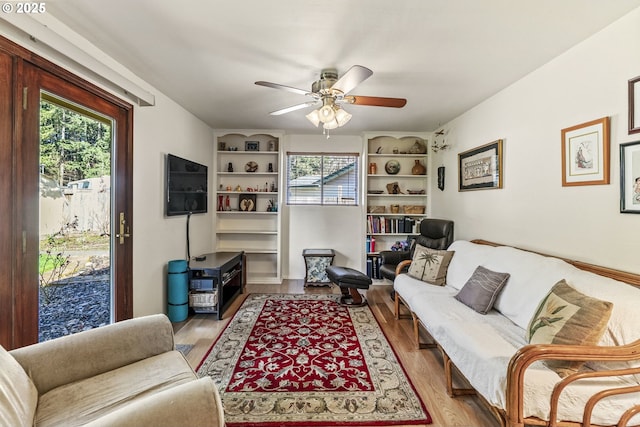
(46, 263)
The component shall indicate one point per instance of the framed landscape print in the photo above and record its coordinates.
(630, 177)
(481, 168)
(585, 153)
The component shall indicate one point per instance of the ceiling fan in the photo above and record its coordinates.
(330, 92)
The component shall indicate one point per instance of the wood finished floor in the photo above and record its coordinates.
(424, 367)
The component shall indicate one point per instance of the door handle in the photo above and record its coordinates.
(123, 226)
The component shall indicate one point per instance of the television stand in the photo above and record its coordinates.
(215, 281)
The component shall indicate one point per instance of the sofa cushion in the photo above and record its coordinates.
(414, 292)
(18, 395)
(430, 265)
(83, 401)
(481, 289)
(480, 346)
(566, 316)
(467, 257)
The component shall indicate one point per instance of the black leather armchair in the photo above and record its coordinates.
(434, 234)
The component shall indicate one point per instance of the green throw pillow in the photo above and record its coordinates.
(430, 265)
(566, 316)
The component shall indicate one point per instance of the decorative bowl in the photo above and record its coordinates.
(251, 167)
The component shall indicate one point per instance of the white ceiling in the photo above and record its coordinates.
(443, 56)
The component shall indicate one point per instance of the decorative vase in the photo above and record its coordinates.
(230, 167)
(220, 202)
(418, 169)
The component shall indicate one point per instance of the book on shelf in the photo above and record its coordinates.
(391, 225)
(373, 266)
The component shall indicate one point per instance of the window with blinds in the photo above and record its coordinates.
(322, 179)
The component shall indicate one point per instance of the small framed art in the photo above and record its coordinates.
(481, 168)
(247, 202)
(252, 146)
(634, 105)
(630, 177)
(585, 153)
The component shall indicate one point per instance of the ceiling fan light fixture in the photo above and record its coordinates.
(342, 117)
(333, 124)
(314, 117)
(327, 113)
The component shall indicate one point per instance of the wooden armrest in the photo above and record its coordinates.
(530, 354)
(402, 265)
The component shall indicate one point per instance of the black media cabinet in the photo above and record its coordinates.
(215, 281)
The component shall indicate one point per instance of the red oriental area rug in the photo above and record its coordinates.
(306, 360)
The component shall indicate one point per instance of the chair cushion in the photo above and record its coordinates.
(18, 395)
(566, 316)
(345, 277)
(83, 401)
(430, 265)
(482, 289)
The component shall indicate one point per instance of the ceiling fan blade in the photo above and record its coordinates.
(376, 101)
(283, 87)
(293, 108)
(352, 78)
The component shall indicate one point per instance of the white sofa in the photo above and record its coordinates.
(491, 350)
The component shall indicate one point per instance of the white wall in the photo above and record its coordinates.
(158, 239)
(533, 210)
(322, 227)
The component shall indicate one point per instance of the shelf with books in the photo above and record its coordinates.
(384, 224)
(397, 188)
(248, 202)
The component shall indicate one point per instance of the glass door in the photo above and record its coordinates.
(72, 172)
(74, 262)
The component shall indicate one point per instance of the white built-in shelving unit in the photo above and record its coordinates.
(403, 150)
(251, 226)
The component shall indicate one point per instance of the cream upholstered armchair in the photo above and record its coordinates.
(127, 373)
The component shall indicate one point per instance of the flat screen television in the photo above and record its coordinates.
(186, 187)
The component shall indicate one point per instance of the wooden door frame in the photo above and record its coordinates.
(6, 198)
(17, 327)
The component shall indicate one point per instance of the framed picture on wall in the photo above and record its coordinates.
(585, 153)
(634, 110)
(630, 177)
(481, 168)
